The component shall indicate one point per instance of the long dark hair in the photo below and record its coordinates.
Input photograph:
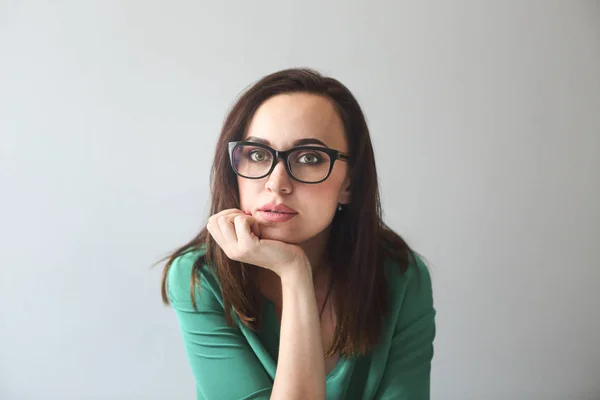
(359, 240)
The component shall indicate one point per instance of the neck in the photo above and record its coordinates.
(316, 251)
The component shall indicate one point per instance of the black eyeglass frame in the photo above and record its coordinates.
(334, 155)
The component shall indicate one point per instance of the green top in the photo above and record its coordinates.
(237, 363)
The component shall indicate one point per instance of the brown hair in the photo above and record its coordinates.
(359, 240)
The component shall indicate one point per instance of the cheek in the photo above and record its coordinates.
(324, 195)
(319, 205)
(333, 186)
(248, 190)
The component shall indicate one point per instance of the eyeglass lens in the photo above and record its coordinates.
(305, 165)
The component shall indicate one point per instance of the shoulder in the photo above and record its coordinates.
(180, 283)
(410, 290)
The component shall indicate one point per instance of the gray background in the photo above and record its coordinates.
(485, 121)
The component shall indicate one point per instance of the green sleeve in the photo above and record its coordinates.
(407, 372)
(222, 362)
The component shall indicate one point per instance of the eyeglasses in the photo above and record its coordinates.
(306, 164)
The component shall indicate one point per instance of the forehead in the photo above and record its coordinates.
(288, 118)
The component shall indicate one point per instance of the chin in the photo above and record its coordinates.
(281, 235)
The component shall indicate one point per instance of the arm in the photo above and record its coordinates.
(407, 372)
(300, 371)
(222, 362)
(301, 365)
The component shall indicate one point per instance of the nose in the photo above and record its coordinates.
(279, 181)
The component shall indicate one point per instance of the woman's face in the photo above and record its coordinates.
(281, 122)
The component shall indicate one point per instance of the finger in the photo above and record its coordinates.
(214, 228)
(228, 211)
(255, 227)
(227, 228)
(213, 219)
(246, 237)
(215, 231)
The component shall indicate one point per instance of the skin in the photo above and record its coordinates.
(281, 121)
(293, 270)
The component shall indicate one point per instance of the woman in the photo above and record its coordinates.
(296, 289)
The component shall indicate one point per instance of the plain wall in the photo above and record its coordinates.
(485, 117)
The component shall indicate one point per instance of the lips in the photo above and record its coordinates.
(277, 209)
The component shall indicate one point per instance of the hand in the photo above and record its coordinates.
(238, 234)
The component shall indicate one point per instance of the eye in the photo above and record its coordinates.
(309, 158)
(258, 155)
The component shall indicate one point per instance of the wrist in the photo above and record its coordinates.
(296, 274)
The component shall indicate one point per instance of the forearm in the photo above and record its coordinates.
(301, 364)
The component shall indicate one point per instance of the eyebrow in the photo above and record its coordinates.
(298, 142)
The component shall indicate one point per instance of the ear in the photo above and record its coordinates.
(346, 194)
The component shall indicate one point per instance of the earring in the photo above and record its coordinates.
(339, 207)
